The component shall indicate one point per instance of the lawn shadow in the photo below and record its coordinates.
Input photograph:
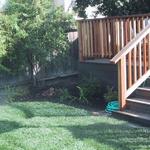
(26, 110)
(7, 126)
(119, 137)
(45, 110)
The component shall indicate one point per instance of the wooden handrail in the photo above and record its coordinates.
(131, 44)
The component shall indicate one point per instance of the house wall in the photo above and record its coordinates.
(3, 4)
(59, 2)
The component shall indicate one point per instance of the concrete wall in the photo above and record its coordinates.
(104, 72)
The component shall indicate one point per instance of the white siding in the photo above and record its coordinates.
(3, 4)
(67, 4)
(59, 2)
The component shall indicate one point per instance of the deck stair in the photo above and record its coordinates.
(137, 107)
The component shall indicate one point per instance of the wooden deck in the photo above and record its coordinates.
(124, 41)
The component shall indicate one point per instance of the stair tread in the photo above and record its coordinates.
(135, 114)
(139, 100)
(144, 88)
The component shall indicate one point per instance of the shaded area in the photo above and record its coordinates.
(46, 109)
(7, 126)
(118, 136)
(62, 125)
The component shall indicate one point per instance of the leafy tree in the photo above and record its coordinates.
(114, 7)
(32, 33)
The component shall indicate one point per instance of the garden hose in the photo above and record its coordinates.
(112, 106)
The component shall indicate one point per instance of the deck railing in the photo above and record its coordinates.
(133, 64)
(104, 38)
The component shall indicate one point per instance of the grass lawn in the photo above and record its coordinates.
(50, 126)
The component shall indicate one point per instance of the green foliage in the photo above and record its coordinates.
(83, 95)
(32, 34)
(111, 94)
(114, 7)
(90, 90)
(13, 93)
(66, 96)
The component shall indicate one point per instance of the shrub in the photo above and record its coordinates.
(15, 93)
(65, 95)
(111, 94)
(83, 95)
(90, 91)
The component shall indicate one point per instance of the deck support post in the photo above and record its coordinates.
(122, 83)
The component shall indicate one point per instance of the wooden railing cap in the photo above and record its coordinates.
(114, 17)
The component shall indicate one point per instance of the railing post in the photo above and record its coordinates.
(80, 41)
(122, 82)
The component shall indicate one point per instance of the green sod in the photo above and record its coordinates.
(50, 126)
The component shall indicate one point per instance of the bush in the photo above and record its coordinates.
(111, 94)
(91, 91)
(65, 96)
(83, 95)
(15, 93)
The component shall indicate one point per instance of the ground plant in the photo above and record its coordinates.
(111, 94)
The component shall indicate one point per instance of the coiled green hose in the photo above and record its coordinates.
(112, 106)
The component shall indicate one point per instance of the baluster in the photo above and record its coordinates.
(117, 35)
(87, 39)
(140, 60)
(114, 36)
(129, 58)
(91, 38)
(102, 38)
(83, 36)
(97, 41)
(122, 33)
(96, 35)
(80, 41)
(109, 39)
(134, 52)
(149, 51)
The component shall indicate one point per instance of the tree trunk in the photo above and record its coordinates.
(31, 69)
(33, 77)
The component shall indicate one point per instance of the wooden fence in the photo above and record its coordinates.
(105, 37)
